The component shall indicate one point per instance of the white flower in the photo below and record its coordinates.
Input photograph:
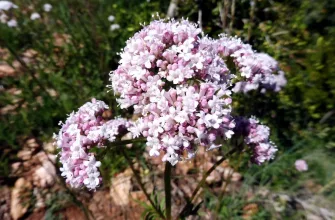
(12, 23)
(47, 7)
(114, 27)
(111, 18)
(73, 129)
(94, 135)
(35, 16)
(92, 181)
(229, 134)
(212, 121)
(6, 5)
(91, 164)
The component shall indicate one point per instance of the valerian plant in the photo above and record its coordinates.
(181, 86)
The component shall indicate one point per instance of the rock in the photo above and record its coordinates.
(30, 53)
(4, 54)
(31, 143)
(24, 154)
(214, 177)
(6, 70)
(16, 168)
(73, 213)
(20, 198)
(49, 147)
(120, 188)
(228, 172)
(5, 203)
(44, 175)
(236, 177)
(249, 210)
(52, 92)
(61, 39)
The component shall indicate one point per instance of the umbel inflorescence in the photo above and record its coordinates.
(181, 86)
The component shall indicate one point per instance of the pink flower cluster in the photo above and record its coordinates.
(301, 165)
(83, 130)
(178, 84)
(181, 87)
(256, 69)
(257, 137)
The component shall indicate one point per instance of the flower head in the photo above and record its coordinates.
(301, 165)
(47, 7)
(111, 18)
(12, 23)
(81, 131)
(256, 136)
(114, 27)
(177, 82)
(6, 5)
(35, 16)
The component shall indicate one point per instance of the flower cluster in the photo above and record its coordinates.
(6, 6)
(256, 136)
(113, 27)
(301, 165)
(83, 130)
(256, 69)
(179, 85)
(47, 7)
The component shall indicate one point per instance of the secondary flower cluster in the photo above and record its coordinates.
(256, 69)
(257, 137)
(181, 86)
(83, 130)
(10, 20)
(4, 18)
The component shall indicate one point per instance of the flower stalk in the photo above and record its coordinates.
(138, 180)
(167, 188)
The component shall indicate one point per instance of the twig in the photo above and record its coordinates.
(232, 16)
(167, 189)
(172, 10)
(223, 7)
(30, 71)
(200, 5)
(252, 15)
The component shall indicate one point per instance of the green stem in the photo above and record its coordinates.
(187, 208)
(138, 179)
(167, 186)
(124, 142)
(30, 71)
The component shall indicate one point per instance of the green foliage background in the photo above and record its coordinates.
(299, 34)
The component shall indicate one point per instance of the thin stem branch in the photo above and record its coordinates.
(232, 16)
(138, 179)
(173, 8)
(167, 189)
(251, 20)
(124, 142)
(30, 71)
(188, 205)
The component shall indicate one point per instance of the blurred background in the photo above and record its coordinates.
(56, 55)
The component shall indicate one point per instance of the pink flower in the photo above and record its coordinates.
(301, 165)
(256, 136)
(181, 87)
(81, 131)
